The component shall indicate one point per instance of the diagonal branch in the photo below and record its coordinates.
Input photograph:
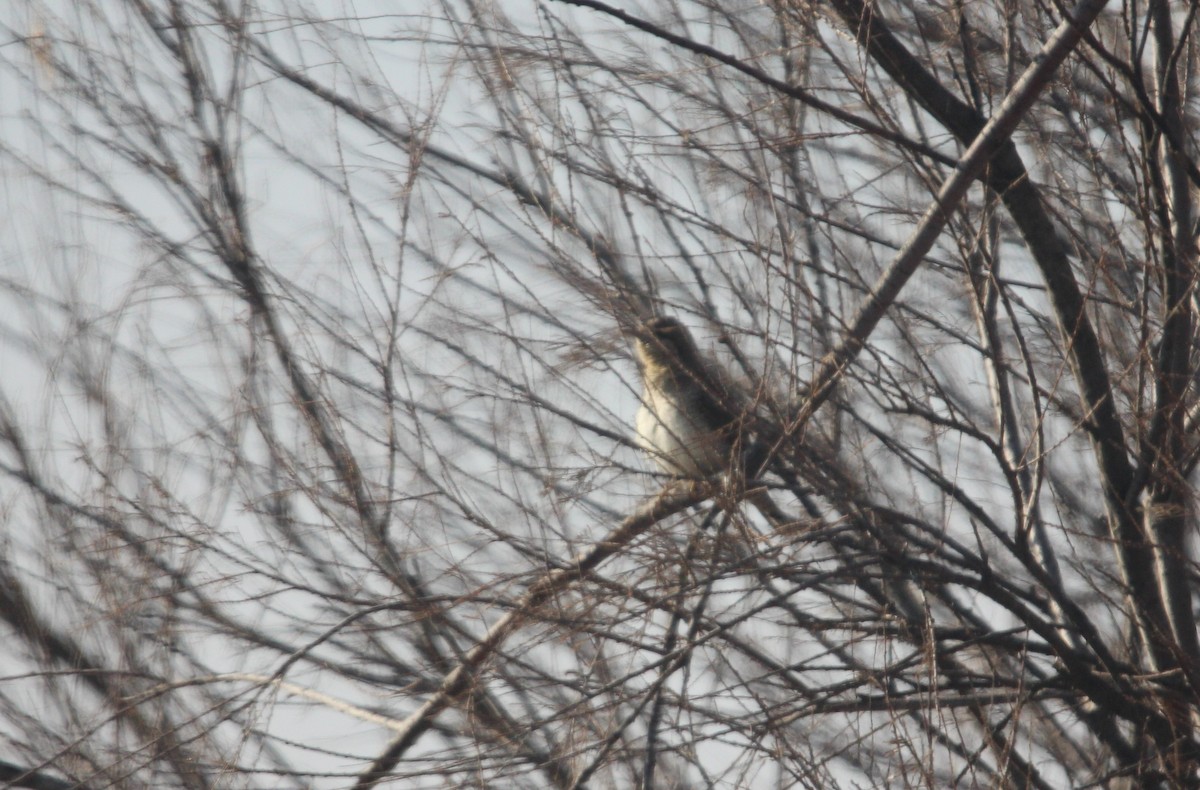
(460, 680)
(990, 142)
(793, 91)
(1007, 176)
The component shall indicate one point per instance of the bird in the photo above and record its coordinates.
(694, 421)
(690, 416)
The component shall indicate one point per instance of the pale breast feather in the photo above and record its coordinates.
(679, 445)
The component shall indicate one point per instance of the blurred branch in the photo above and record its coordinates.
(463, 677)
(992, 140)
(792, 91)
(16, 776)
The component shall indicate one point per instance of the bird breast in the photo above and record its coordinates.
(671, 431)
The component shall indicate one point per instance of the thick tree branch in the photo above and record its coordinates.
(988, 142)
(1006, 175)
(787, 89)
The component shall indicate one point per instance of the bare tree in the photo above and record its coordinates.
(316, 426)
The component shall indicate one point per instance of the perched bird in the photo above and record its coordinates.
(693, 421)
(689, 421)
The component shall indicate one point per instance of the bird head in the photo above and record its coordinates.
(663, 344)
